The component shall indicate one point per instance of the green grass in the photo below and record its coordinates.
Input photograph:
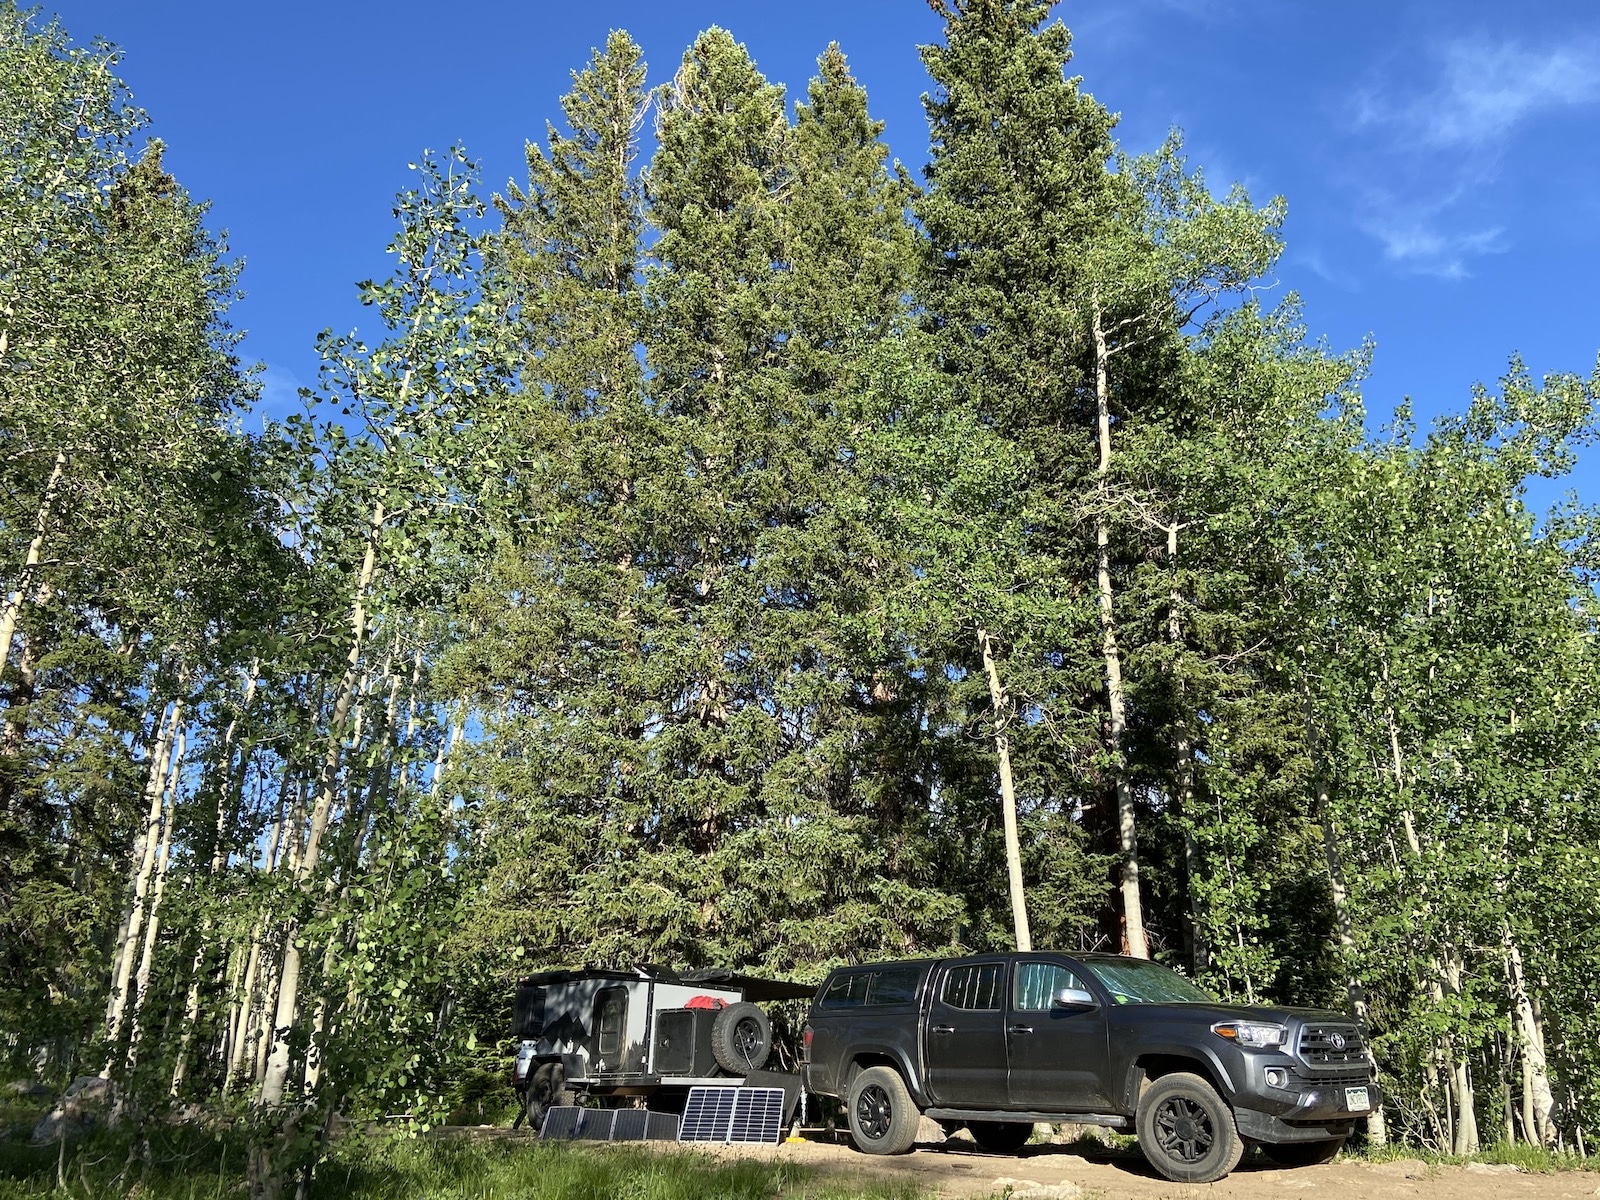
(1534, 1159)
(192, 1165)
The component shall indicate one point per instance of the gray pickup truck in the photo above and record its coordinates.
(998, 1042)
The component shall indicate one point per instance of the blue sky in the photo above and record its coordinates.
(1441, 158)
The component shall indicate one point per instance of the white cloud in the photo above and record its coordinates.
(1430, 201)
(1317, 263)
(1415, 243)
(280, 392)
(1486, 88)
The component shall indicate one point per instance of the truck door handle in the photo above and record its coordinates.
(944, 1029)
(1020, 1029)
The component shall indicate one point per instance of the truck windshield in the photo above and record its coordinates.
(1135, 982)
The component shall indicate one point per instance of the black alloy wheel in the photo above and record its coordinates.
(874, 1112)
(883, 1117)
(1186, 1130)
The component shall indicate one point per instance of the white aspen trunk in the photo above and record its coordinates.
(1339, 893)
(242, 1015)
(1466, 1130)
(1507, 1109)
(12, 611)
(277, 1070)
(233, 985)
(242, 1010)
(219, 856)
(1127, 833)
(152, 928)
(143, 867)
(1184, 752)
(289, 857)
(14, 735)
(1538, 1096)
(319, 1022)
(1008, 797)
(1530, 1121)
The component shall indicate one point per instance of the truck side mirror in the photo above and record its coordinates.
(1071, 997)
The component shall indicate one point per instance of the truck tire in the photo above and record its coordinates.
(1000, 1137)
(741, 1038)
(1302, 1154)
(1186, 1131)
(883, 1119)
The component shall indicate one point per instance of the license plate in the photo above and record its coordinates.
(1355, 1099)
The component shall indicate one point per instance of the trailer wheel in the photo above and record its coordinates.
(741, 1038)
(546, 1090)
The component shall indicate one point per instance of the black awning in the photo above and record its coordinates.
(754, 988)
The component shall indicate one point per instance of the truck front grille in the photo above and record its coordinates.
(1332, 1046)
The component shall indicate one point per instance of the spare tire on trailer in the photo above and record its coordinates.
(741, 1038)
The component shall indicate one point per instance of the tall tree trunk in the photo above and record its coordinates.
(1183, 760)
(1339, 893)
(14, 735)
(228, 795)
(142, 867)
(12, 611)
(152, 930)
(1466, 1131)
(1008, 796)
(1127, 834)
(277, 1073)
(1540, 1100)
(242, 1011)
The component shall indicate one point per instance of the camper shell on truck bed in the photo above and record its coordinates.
(649, 1033)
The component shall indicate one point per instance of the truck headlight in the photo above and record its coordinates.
(1251, 1033)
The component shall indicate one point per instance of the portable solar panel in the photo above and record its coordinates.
(630, 1125)
(598, 1126)
(757, 1115)
(571, 1123)
(732, 1114)
(706, 1114)
(660, 1127)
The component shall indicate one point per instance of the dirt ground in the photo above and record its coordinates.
(1044, 1172)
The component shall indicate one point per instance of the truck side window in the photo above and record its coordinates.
(1036, 982)
(611, 1008)
(847, 990)
(974, 987)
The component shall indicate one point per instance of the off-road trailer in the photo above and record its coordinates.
(646, 1035)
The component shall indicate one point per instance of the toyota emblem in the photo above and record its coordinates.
(1338, 1041)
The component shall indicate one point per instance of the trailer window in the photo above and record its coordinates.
(611, 1011)
(529, 1019)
